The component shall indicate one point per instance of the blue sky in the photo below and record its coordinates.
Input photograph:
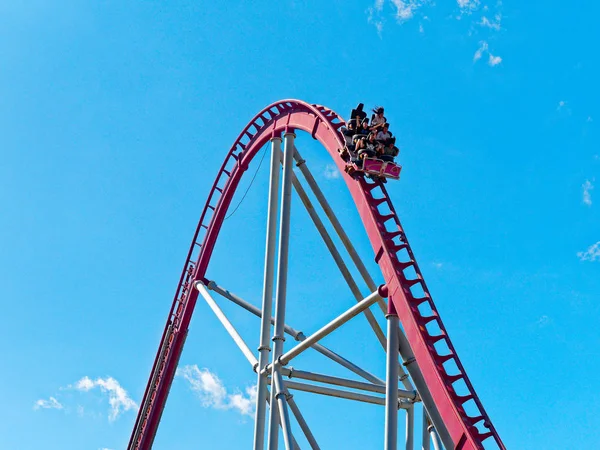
(115, 117)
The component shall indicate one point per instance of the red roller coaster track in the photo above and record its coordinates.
(406, 286)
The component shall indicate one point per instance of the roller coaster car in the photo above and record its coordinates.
(377, 167)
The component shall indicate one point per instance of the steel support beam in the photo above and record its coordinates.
(410, 428)
(284, 416)
(227, 324)
(437, 445)
(392, 370)
(336, 381)
(415, 372)
(330, 327)
(338, 393)
(426, 442)
(282, 264)
(267, 300)
(297, 335)
(303, 425)
(334, 393)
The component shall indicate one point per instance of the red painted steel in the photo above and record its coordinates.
(408, 292)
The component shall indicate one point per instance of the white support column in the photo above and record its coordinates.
(391, 386)
(303, 425)
(227, 324)
(410, 428)
(415, 372)
(284, 415)
(282, 264)
(426, 442)
(330, 327)
(437, 445)
(267, 301)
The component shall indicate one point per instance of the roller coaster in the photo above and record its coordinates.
(423, 370)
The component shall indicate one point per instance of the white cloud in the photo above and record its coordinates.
(561, 104)
(494, 60)
(544, 321)
(484, 48)
(591, 254)
(479, 53)
(587, 195)
(85, 384)
(51, 403)
(495, 25)
(405, 10)
(212, 391)
(244, 404)
(438, 265)
(589, 119)
(331, 172)
(374, 17)
(468, 5)
(118, 399)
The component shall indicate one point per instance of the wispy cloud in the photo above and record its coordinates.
(212, 391)
(479, 53)
(591, 254)
(118, 399)
(484, 48)
(496, 24)
(587, 194)
(405, 9)
(468, 5)
(331, 172)
(494, 60)
(544, 321)
(563, 108)
(51, 403)
(482, 20)
(374, 16)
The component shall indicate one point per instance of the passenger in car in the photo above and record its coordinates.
(383, 134)
(389, 152)
(364, 129)
(349, 132)
(377, 119)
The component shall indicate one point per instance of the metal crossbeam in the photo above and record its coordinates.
(297, 335)
(344, 382)
(227, 324)
(330, 327)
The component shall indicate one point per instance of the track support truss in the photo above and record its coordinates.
(416, 377)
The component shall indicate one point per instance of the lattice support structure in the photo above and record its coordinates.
(415, 333)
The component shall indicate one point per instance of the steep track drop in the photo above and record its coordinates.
(463, 415)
